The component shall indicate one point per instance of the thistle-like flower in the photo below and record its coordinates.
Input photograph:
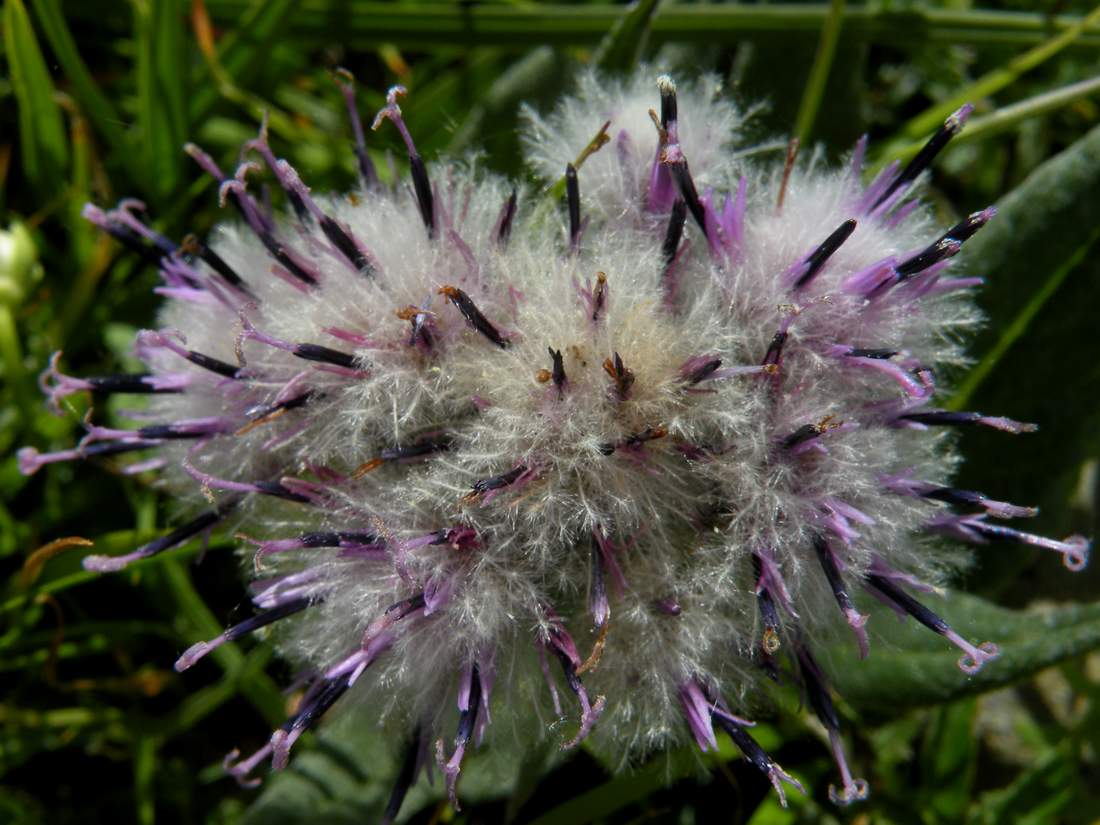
(497, 459)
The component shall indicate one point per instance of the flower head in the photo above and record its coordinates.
(613, 462)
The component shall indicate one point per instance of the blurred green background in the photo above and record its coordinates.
(96, 101)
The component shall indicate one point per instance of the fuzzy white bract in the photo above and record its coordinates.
(500, 456)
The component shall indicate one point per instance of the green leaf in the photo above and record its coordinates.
(91, 100)
(1039, 795)
(201, 703)
(145, 766)
(622, 48)
(28, 732)
(819, 72)
(949, 757)
(1000, 120)
(1040, 356)
(347, 774)
(42, 141)
(990, 83)
(910, 666)
(363, 23)
(242, 51)
(161, 71)
(618, 792)
(489, 120)
(1040, 104)
(1040, 226)
(199, 623)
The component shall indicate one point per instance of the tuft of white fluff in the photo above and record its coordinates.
(711, 125)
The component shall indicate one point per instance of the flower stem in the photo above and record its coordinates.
(362, 23)
(11, 356)
(819, 72)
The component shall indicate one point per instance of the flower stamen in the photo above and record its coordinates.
(573, 203)
(473, 315)
(503, 228)
(811, 265)
(346, 81)
(947, 418)
(280, 611)
(405, 777)
(831, 565)
(469, 698)
(193, 246)
(421, 184)
(923, 159)
(202, 522)
(973, 656)
(623, 377)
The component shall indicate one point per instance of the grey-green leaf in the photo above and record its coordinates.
(910, 666)
(1040, 355)
(1039, 227)
(348, 775)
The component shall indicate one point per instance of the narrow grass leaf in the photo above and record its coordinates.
(1011, 116)
(145, 771)
(364, 23)
(259, 689)
(161, 73)
(948, 757)
(525, 79)
(619, 792)
(1043, 793)
(42, 143)
(819, 72)
(992, 82)
(622, 48)
(242, 50)
(92, 101)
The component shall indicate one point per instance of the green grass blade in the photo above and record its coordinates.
(42, 142)
(617, 793)
(161, 70)
(1018, 326)
(1010, 116)
(523, 79)
(14, 368)
(242, 50)
(992, 82)
(362, 23)
(1039, 795)
(145, 769)
(95, 105)
(110, 544)
(1002, 120)
(202, 703)
(819, 72)
(201, 624)
(1053, 215)
(622, 48)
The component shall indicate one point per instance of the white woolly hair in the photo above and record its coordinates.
(614, 177)
(687, 528)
